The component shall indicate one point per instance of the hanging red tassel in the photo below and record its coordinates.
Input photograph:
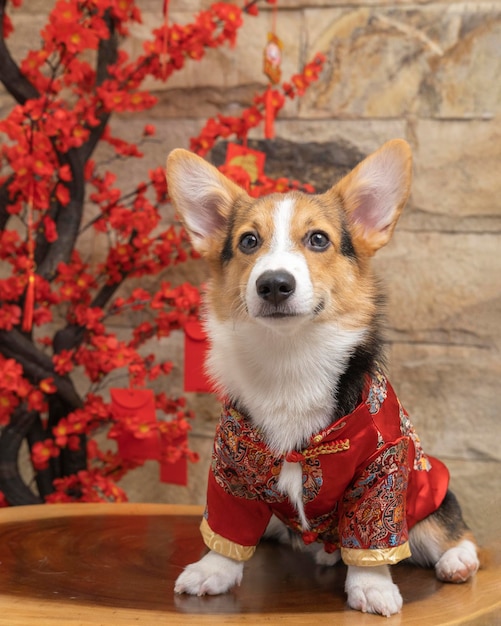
(272, 60)
(29, 299)
(29, 304)
(163, 56)
(269, 114)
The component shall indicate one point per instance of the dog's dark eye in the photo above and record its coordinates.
(318, 241)
(248, 242)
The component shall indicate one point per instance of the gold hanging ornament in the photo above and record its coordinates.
(272, 60)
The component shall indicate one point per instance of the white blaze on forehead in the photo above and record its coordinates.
(282, 221)
(282, 254)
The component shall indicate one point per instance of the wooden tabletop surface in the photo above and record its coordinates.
(90, 565)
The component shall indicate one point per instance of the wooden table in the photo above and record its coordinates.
(115, 565)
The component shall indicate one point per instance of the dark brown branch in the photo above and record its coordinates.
(71, 336)
(15, 490)
(107, 55)
(69, 461)
(44, 477)
(68, 218)
(41, 244)
(37, 365)
(13, 80)
(4, 202)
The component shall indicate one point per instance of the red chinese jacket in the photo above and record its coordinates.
(366, 482)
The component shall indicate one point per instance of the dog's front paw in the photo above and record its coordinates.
(371, 590)
(212, 575)
(458, 564)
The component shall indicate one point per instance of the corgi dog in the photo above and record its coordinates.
(313, 442)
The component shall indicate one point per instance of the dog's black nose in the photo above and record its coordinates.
(275, 286)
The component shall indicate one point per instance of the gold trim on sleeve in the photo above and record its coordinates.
(225, 546)
(368, 558)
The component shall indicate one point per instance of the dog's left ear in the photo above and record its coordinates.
(374, 194)
(201, 194)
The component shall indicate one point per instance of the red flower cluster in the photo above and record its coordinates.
(16, 390)
(87, 486)
(310, 74)
(211, 28)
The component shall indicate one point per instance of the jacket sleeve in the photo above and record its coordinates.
(233, 525)
(372, 525)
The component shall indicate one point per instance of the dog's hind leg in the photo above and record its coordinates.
(443, 541)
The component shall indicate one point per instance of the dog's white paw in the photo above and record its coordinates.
(327, 558)
(371, 590)
(212, 575)
(458, 564)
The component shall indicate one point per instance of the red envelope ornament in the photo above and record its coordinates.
(252, 161)
(176, 472)
(138, 438)
(196, 344)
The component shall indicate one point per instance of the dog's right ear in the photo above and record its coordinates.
(201, 194)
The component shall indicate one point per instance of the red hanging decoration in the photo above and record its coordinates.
(196, 344)
(140, 439)
(269, 114)
(249, 160)
(272, 59)
(29, 298)
(29, 304)
(136, 406)
(174, 472)
(163, 56)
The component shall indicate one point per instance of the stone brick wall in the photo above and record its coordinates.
(425, 71)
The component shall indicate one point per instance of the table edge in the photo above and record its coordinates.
(80, 509)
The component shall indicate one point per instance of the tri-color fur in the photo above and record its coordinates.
(293, 312)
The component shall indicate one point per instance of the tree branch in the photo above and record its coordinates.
(107, 55)
(72, 335)
(4, 203)
(13, 80)
(36, 365)
(44, 477)
(15, 490)
(69, 461)
(68, 218)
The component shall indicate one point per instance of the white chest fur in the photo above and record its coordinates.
(285, 382)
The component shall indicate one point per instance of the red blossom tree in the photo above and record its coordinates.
(56, 307)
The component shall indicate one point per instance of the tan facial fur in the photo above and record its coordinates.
(341, 284)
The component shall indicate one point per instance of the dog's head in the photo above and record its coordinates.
(280, 260)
